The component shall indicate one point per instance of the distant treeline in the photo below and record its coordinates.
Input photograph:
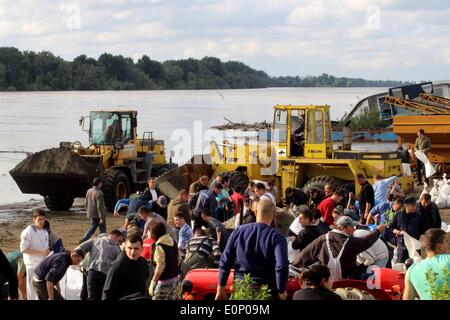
(30, 70)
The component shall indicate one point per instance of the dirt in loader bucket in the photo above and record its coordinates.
(56, 171)
(55, 160)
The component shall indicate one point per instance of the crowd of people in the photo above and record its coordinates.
(334, 235)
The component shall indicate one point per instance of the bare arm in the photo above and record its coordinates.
(50, 290)
(410, 292)
(36, 252)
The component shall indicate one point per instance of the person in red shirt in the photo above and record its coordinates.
(327, 205)
(147, 247)
(235, 197)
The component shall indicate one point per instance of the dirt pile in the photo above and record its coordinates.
(56, 161)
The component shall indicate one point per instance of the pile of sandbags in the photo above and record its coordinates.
(440, 193)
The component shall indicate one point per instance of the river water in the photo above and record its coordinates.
(32, 121)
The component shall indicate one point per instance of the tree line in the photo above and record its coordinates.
(39, 71)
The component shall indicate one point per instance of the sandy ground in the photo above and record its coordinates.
(69, 225)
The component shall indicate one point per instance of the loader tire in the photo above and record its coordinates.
(59, 202)
(116, 186)
(240, 179)
(320, 182)
(347, 187)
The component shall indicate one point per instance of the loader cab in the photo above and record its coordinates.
(112, 127)
(302, 131)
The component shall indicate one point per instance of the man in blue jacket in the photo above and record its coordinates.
(259, 250)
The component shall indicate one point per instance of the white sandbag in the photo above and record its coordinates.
(406, 169)
(291, 252)
(434, 192)
(448, 201)
(429, 170)
(412, 245)
(295, 226)
(446, 189)
(445, 227)
(441, 202)
(397, 265)
(71, 284)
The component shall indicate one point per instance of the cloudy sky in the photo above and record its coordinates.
(384, 39)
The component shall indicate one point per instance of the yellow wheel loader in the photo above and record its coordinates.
(297, 151)
(115, 153)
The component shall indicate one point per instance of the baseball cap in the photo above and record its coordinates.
(339, 210)
(346, 221)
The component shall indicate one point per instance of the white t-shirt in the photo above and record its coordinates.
(154, 194)
(33, 238)
(376, 252)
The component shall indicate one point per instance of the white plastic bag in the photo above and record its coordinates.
(441, 202)
(429, 170)
(71, 284)
(434, 193)
(412, 245)
(406, 169)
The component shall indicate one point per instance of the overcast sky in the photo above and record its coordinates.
(384, 39)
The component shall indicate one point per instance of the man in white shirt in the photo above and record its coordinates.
(376, 255)
(34, 242)
(152, 192)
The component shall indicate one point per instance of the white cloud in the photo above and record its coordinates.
(122, 15)
(279, 36)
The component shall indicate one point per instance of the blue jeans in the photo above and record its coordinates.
(95, 222)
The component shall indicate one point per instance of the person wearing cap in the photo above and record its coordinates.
(339, 242)
(337, 213)
(407, 220)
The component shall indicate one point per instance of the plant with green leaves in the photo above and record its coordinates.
(439, 291)
(247, 289)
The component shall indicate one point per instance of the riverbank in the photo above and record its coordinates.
(69, 225)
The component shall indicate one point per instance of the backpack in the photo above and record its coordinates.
(334, 264)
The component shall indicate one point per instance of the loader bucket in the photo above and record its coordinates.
(56, 171)
(177, 179)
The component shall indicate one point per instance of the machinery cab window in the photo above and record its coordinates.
(297, 132)
(106, 128)
(315, 132)
(126, 128)
(280, 126)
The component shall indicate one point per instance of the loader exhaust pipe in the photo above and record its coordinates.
(347, 139)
